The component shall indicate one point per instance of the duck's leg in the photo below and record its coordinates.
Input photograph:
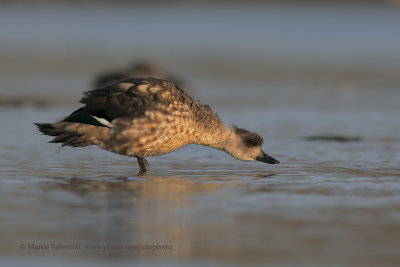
(144, 167)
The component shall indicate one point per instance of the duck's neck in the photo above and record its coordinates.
(214, 136)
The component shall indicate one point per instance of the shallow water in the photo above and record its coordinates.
(327, 203)
(295, 72)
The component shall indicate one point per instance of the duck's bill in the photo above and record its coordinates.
(266, 158)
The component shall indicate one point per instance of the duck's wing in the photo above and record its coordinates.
(144, 116)
(128, 99)
(136, 117)
(139, 69)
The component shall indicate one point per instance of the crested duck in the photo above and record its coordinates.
(145, 117)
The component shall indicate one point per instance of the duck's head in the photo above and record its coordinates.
(245, 145)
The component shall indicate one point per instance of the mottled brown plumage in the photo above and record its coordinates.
(145, 117)
(138, 69)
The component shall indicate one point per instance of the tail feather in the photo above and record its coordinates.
(63, 135)
(47, 128)
(70, 140)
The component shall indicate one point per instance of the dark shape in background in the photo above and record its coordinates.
(138, 69)
(333, 138)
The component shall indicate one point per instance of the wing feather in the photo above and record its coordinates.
(131, 98)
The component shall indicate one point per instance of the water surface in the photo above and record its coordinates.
(325, 201)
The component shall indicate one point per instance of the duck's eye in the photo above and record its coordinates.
(249, 144)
